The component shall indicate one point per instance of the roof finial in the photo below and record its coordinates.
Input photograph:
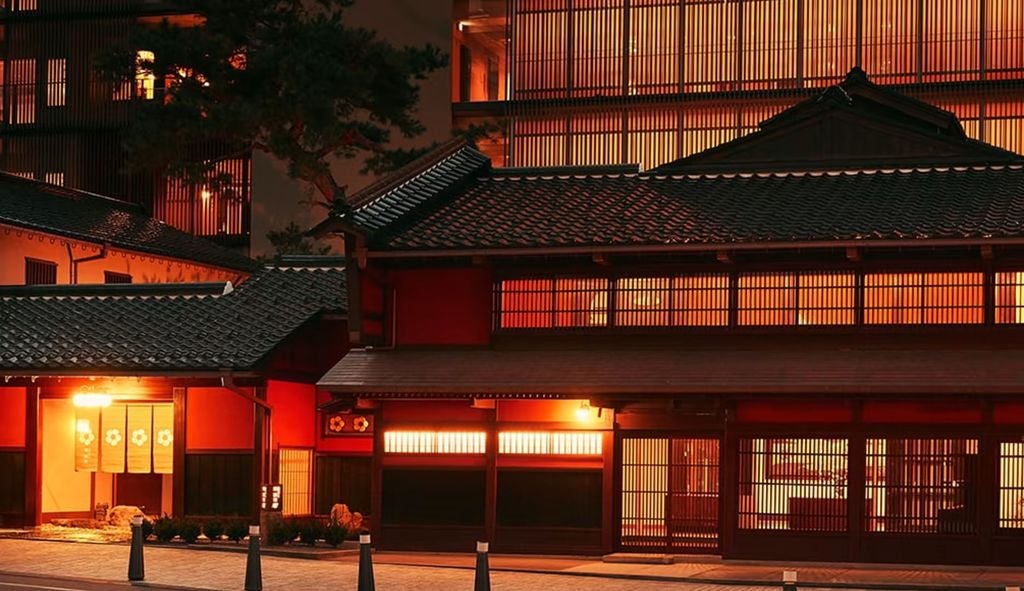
(856, 74)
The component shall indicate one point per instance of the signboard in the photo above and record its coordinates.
(271, 497)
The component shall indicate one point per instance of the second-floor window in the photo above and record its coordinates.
(22, 88)
(838, 298)
(56, 82)
(114, 277)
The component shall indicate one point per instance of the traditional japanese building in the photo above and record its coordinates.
(182, 399)
(800, 344)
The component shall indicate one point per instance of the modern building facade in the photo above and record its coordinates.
(63, 125)
(595, 82)
(779, 348)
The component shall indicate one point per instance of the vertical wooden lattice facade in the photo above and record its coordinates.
(586, 82)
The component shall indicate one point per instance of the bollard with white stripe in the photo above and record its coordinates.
(365, 565)
(789, 580)
(136, 566)
(482, 581)
(253, 570)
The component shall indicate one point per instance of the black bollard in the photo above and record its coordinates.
(482, 581)
(365, 565)
(253, 572)
(136, 567)
(789, 580)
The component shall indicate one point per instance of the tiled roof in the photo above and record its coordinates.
(584, 373)
(496, 212)
(61, 329)
(84, 216)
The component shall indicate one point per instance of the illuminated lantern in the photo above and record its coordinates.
(140, 448)
(112, 446)
(86, 443)
(163, 438)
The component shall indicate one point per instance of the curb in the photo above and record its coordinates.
(144, 584)
(725, 582)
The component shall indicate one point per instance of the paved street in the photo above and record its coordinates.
(178, 567)
(34, 583)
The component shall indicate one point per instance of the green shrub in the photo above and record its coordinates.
(189, 530)
(310, 530)
(165, 529)
(279, 532)
(236, 530)
(335, 534)
(147, 528)
(213, 529)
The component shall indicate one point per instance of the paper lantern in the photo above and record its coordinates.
(163, 438)
(140, 439)
(87, 424)
(113, 440)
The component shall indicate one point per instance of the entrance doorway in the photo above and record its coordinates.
(144, 491)
(669, 494)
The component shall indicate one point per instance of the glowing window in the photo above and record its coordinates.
(1010, 297)
(557, 443)
(779, 299)
(56, 83)
(924, 298)
(435, 442)
(296, 469)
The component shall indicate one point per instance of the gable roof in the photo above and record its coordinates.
(80, 215)
(170, 328)
(854, 124)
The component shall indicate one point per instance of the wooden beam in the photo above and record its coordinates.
(260, 415)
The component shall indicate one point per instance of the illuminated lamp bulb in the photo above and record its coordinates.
(583, 412)
(205, 194)
(83, 426)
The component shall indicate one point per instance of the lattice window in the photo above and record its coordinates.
(780, 299)
(1010, 297)
(1011, 485)
(924, 298)
(890, 40)
(1004, 38)
(555, 443)
(793, 484)
(114, 277)
(22, 91)
(39, 272)
(709, 54)
(296, 472)
(830, 39)
(769, 44)
(921, 485)
(654, 37)
(950, 39)
(597, 47)
(56, 82)
(435, 442)
(539, 46)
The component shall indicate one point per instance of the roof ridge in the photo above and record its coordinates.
(117, 290)
(829, 172)
(395, 179)
(68, 192)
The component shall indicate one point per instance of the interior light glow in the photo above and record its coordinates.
(583, 412)
(91, 400)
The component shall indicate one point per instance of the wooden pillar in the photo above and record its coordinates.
(258, 450)
(609, 480)
(377, 474)
(33, 457)
(855, 482)
(179, 396)
(728, 482)
(491, 477)
(987, 510)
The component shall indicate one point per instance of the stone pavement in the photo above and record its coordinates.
(414, 572)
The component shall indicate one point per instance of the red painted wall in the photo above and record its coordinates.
(931, 411)
(437, 414)
(794, 411)
(442, 306)
(353, 444)
(217, 418)
(293, 413)
(12, 417)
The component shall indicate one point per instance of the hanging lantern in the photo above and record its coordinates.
(87, 424)
(163, 438)
(112, 445)
(139, 439)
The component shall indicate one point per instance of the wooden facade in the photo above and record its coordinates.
(650, 81)
(61, 124)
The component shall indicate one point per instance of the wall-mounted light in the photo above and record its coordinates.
(91, 400)
(583, 412)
